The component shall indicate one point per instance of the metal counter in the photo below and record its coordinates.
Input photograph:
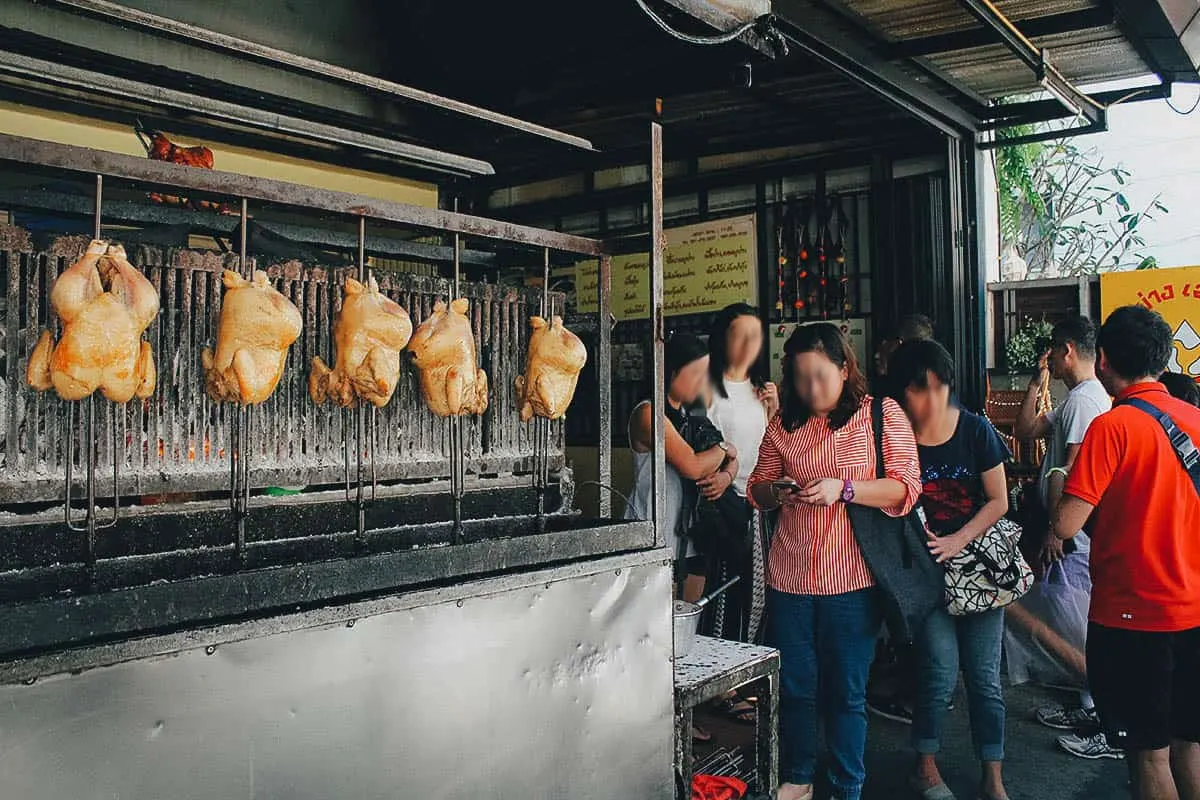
(545, 684)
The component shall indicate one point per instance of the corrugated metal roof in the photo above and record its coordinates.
(1091, 55)
(910, 19)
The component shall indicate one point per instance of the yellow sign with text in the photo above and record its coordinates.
(706, 267)
(1174, 293)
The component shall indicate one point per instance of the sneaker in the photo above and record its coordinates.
(1067, 719)
(890, 708)
(1089, 747)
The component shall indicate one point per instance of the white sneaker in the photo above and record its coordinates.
(1089, 747)
(1067, 719)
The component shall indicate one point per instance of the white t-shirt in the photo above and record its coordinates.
(742, 420)
(1069, 422)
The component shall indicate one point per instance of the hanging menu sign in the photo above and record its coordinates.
(706, 267)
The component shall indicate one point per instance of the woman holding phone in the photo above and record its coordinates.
(818, 456)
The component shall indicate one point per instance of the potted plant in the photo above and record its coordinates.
(1024, 348)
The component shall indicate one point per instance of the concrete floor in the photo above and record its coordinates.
(1035, 768)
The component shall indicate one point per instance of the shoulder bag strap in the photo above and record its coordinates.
(1183, 445)
(906, 556)
(877, 432)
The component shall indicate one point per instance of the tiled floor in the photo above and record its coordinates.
(1035, 769)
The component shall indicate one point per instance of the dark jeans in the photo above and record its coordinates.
(971, 643)
(826, 644)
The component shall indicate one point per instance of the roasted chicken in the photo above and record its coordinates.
(160, 148)
(443, 348)
(105, 305)
(369, 333)
(556, 357)
(258, 325)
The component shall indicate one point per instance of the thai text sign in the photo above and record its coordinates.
(1174, 293)
(706, 267)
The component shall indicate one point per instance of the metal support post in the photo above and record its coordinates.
(658, 334)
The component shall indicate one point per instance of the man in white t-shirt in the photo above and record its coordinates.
(1071, 359)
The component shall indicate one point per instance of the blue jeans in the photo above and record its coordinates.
(826, 645)
(973, 643)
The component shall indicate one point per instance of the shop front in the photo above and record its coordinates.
(269, 576)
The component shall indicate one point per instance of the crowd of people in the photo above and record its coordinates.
(796, 486)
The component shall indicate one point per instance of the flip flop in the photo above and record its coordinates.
(939, 791)
(700, 736)
(736, 710)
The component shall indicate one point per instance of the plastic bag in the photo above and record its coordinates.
(1046, 630)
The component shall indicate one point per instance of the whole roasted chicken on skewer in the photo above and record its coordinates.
(105, 305)
(443, 348)
(369, 333)
(556, 357)
(258, 325)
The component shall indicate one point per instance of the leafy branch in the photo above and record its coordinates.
(1065, 210)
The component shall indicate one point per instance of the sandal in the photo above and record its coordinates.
(737, 710)
(939, 791)
(700, 736)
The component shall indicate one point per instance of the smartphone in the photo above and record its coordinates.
(784, 483)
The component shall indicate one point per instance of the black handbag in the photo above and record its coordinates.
(911, 582)
(717, 527)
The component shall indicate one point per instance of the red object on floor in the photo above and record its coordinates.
(714, 787)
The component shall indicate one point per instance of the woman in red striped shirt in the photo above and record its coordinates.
(817, 456)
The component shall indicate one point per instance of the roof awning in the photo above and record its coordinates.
(979, 64)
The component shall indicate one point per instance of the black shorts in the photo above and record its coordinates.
(1146, 685)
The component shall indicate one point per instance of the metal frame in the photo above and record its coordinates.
(819, 35)
(82, 160)
(244, 48)
(658, 407)
(90, 81)
(67, 621)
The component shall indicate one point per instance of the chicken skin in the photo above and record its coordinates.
(258, 325)
(105, 305)
(556, 357)
(443, 348)
(369, 333)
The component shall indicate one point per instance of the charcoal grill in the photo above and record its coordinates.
(407, 500)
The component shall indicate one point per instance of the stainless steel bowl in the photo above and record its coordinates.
(687, 620)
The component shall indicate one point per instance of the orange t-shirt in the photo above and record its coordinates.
(1145, 557)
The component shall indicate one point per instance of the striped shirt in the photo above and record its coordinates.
(813, 550)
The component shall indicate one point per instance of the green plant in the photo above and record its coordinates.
(1022, 349)
(1064, 210)
(1016, 178)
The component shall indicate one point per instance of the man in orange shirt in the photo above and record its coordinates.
(1143, 644)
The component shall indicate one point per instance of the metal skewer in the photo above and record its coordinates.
(541, 425)
(239, 434)
(458, 464)
(90, 523)
(360, 499)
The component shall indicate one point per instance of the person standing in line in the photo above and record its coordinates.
(891, 690)
(1071, 359)
(910, 328)
(1143, 642)
(686, 368)
(742, 400)
(817, 457)
(1181, 386)
(965, 493)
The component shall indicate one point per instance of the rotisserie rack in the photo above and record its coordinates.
(397, 496)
